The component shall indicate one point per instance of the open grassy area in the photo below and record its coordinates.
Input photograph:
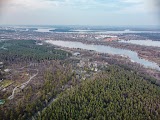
(6, 83)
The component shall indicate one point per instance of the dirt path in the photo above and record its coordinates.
(23, 85)
(67, 86)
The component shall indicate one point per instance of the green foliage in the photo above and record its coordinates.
(36, 98)
(115, 94)
(27, 50)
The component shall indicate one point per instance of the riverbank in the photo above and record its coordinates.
(145, 52)
(120, 60)
(133, 56)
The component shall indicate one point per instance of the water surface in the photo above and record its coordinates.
(106, 49)
(92, 31)
(43, 30)
(143, 42)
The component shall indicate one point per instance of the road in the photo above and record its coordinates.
(67, 86)
(23, 85)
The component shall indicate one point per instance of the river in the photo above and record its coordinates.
(143, 42)
(106, 49)
(43, 30)
(94, 31)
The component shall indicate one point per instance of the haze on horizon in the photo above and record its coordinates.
(79, 12)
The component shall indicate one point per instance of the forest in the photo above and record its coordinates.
(151, 36)
(26, 50)
(115, 94)
(52, 75)
(36, 96)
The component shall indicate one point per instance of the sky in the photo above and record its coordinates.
(79, 12)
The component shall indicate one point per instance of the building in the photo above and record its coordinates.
(76, 54)
(111, 38)
(2, 102)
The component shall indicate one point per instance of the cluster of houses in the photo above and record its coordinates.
(93, 66)
(111, 38)
(86, 68)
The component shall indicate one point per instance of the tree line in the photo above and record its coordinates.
(115, 94)
(15, 51)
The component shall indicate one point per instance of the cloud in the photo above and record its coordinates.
(74, 10)
(99, 5)
(29, 4)
(79, 4)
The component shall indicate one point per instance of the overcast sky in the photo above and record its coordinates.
(78, 12)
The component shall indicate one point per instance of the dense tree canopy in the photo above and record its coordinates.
(27, 50)
(115, 94)
(37, 97)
